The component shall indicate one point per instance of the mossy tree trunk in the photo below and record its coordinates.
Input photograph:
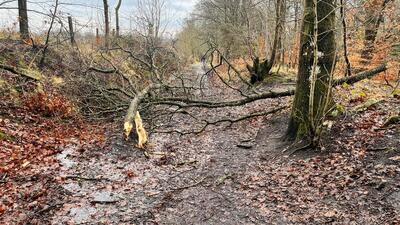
(300, 123)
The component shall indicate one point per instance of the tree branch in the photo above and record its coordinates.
(185, 103)
(15, 71)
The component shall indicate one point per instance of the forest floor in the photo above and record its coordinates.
(238, 174)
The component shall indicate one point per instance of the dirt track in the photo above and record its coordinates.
(226, 175)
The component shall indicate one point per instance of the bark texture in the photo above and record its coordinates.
(300, 121)
(107, 25)
(117, 17)
(71, 30)
(344, 25)
(23, 19)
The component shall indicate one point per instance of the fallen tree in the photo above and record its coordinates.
(185, 103)
(361, 76)
(16, 71)
(154, 79)
(189, 103)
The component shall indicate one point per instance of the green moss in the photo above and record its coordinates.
(358, 94)
(396, 92)
(2, 136)
(392, 120)
(367, 104)
(302, 131)
(3, 83)
(35, 74)
(6, 137)
(345, 85)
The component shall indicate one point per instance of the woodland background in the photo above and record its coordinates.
(227, 143)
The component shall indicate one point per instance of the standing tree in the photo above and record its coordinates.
(117, 17)
(107, 25)
(316, 63)
(46, 44)
(344, 26)
(71, 30)
(374, 11)
(23, 19)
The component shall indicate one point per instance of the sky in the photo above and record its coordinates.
(88, 14)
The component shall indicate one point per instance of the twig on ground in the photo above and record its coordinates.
(78, 177)
(190, 185)
(226, 120)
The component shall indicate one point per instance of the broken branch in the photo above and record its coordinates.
(272, 94)
(14, 70)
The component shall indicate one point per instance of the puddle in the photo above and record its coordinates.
(82, 214)
(104, 197)
(73, 187)
(63, 158)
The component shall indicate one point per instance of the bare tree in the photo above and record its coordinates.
(150, 18)
(374, 11)
(23, 19)
(106, 25)
(344, 26)
(154, 76)
(46, 44)
(117, 17)
(71, 30)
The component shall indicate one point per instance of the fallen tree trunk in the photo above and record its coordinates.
(206, 104)
(14, 70)
(186, 103)
(360, 76)
(133, 108)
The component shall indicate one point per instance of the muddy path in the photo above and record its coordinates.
(227, 175)
(194, 180)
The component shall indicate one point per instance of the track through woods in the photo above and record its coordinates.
(189, 179)
(231, 173)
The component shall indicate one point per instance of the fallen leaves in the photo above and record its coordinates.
(28, 143)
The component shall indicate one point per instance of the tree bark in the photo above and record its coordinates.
(23, 20)
(107, 25)
(345, 52)
(299, 122)
(97, 37)
(360, 76)
(206, 104)
(117, 18)
(133, 108)
(71, 30)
